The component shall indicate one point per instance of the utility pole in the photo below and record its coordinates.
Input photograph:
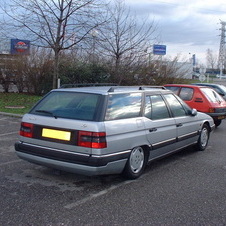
(221, 59)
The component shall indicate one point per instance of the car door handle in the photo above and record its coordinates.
(152, 129)
(179, 124)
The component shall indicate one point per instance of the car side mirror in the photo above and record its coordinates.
(193, 112)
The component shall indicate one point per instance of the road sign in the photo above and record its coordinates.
(20, 47)
(202, 78)
(159, 49)
(202, 70)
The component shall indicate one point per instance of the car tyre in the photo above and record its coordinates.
(217, 122)
(203, 138)
(136, 163)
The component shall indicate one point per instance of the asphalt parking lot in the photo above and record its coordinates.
(187, 188)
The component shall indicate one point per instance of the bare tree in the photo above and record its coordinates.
(123, 40)
(58, 25)
(30, 73)
(7, 71)
(38, 69)
(160, 72)
(211, 59)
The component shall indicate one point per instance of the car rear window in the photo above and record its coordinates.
(71, 105)
(212, 95)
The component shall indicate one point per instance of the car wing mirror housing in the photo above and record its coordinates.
(193, 112)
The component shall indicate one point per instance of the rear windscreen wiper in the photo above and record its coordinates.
(48, 112)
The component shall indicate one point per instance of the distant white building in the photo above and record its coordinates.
(186, 69)
(178, 69)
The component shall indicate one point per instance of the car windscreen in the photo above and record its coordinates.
(212, 95)
(71, 105)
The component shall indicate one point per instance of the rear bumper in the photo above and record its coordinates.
(73, 162)
(217, 116)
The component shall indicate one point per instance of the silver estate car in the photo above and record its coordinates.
(109, 130)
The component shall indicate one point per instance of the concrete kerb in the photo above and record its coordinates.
(11, 114)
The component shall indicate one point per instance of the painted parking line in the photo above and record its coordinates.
(3, 119)
(6, 134)
(96, 195)
(10, 162)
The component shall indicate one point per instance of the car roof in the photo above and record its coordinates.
(206, 84)
(184, 85)
(196, 87)
(105, 90)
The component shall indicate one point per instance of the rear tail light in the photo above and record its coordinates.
(211, 110)
(92, 139)
(26, 129)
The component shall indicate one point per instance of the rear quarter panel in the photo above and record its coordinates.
(199, 101)
(124, 134)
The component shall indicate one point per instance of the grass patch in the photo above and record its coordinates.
(17, 103)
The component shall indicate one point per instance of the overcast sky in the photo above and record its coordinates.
(185, 26)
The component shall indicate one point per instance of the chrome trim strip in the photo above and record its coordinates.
(112, 154)
(54, 149)
(77, 153)
(165, 141)
(189, 134)
(175, 150)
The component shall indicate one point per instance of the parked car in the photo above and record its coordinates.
(221, 76)
(109, 130)
(221, 89)
(202, 98)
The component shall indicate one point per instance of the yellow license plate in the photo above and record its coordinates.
(221, 117)
(56, 134)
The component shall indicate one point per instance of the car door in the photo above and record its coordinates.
(160, 127)
(187, 124)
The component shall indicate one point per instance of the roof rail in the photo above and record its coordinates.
(151, 87)
(112, 89)
(74, 85)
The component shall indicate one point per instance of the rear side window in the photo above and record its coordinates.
(186, 93)
(71, 105)
(122, 106)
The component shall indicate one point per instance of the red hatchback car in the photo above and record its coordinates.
(202, 98)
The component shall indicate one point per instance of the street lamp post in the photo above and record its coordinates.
(94, 34)
(193, 62)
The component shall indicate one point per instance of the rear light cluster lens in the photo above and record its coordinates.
(85, 138)
(26, 129)
(92, 139)
(211, 110)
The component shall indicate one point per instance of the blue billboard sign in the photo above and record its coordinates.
(159, 49)
(20, 47)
